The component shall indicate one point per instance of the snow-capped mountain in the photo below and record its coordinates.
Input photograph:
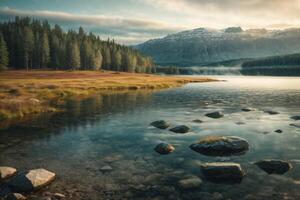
(202, 46)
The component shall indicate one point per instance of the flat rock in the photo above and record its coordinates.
(7, 172)
(161, 124)
(215, 115)
(271, 112)
(221, 146)
(180, 129)
(274, 166)
(248, 109)
(106, 168)
(59, 196)
(198, 121)
(295, 125)
(296, 117)
(15, 196)
(32, 180)
(164, 148)
(190, 183)
(223, 171)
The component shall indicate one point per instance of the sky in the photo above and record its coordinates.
(135, 21)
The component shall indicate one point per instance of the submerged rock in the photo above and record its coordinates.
(190, 183)
(271, 112)
(296, 117)
(197, 121)
(180, 129)
(248, 109)
(164, 148)
(7, 172)
(223, 171)
(215, 115)
(221, 146)
(161, 124)
(278, 131)
(295, 125)
(32, 180)
(240, 123)
(274, 166)
(15, 196)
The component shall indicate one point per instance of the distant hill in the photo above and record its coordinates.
(204, 46)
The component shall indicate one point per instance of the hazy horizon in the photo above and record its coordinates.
(136, 21)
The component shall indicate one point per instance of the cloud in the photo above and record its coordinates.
(224, 13)
(135, 30)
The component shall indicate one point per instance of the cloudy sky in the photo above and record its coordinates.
(135, 21)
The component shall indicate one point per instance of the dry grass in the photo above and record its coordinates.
(24, 92)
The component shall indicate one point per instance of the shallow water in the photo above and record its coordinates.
(113, 129)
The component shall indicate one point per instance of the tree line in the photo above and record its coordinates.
(27, 43)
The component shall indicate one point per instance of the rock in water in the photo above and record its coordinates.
(278, 131)
(215, 115)
(221, 146)
(197, 121)
(32, 180)
(7, 172)
(180, 129)
(190, 183)
(248, 109)
(161, 124)
(296, 117)
(274, 166)
(15, 196)
(106, 168)
(164, 148)
(295, 125)
(271, 112)
(223, 171)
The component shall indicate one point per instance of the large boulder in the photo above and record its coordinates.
(223, 171)
(180, 129)
(274, 166)
(221, 146)
(164, 148)
(161, 124)
(190, 183)
(32, 180)
(7, 172)
(215, 115)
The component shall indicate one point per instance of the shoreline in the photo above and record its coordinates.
(31, 92)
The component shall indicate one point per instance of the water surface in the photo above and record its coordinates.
(113, 129)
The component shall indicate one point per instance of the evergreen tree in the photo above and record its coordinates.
(3, 53)
(28, 45)
(45, 50)
(74, 55)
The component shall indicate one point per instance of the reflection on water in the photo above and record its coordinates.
(113, 130)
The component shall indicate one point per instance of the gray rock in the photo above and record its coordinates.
(180, 129)
(223, 171)
(190, 183)
(221, 146)
(164, 148)
(106, 168)
(32, 180)
(274, 166)
(296, 117)
(240, 123)
(295, 125)
(198, 121)
(215, 115)
(7, 172)
(271, 112)
(248, 109)
(15, 196)
(161, 124)
(278, 131)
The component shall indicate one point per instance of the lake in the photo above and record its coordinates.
(113, 130)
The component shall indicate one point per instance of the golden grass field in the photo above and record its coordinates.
(28, 92)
